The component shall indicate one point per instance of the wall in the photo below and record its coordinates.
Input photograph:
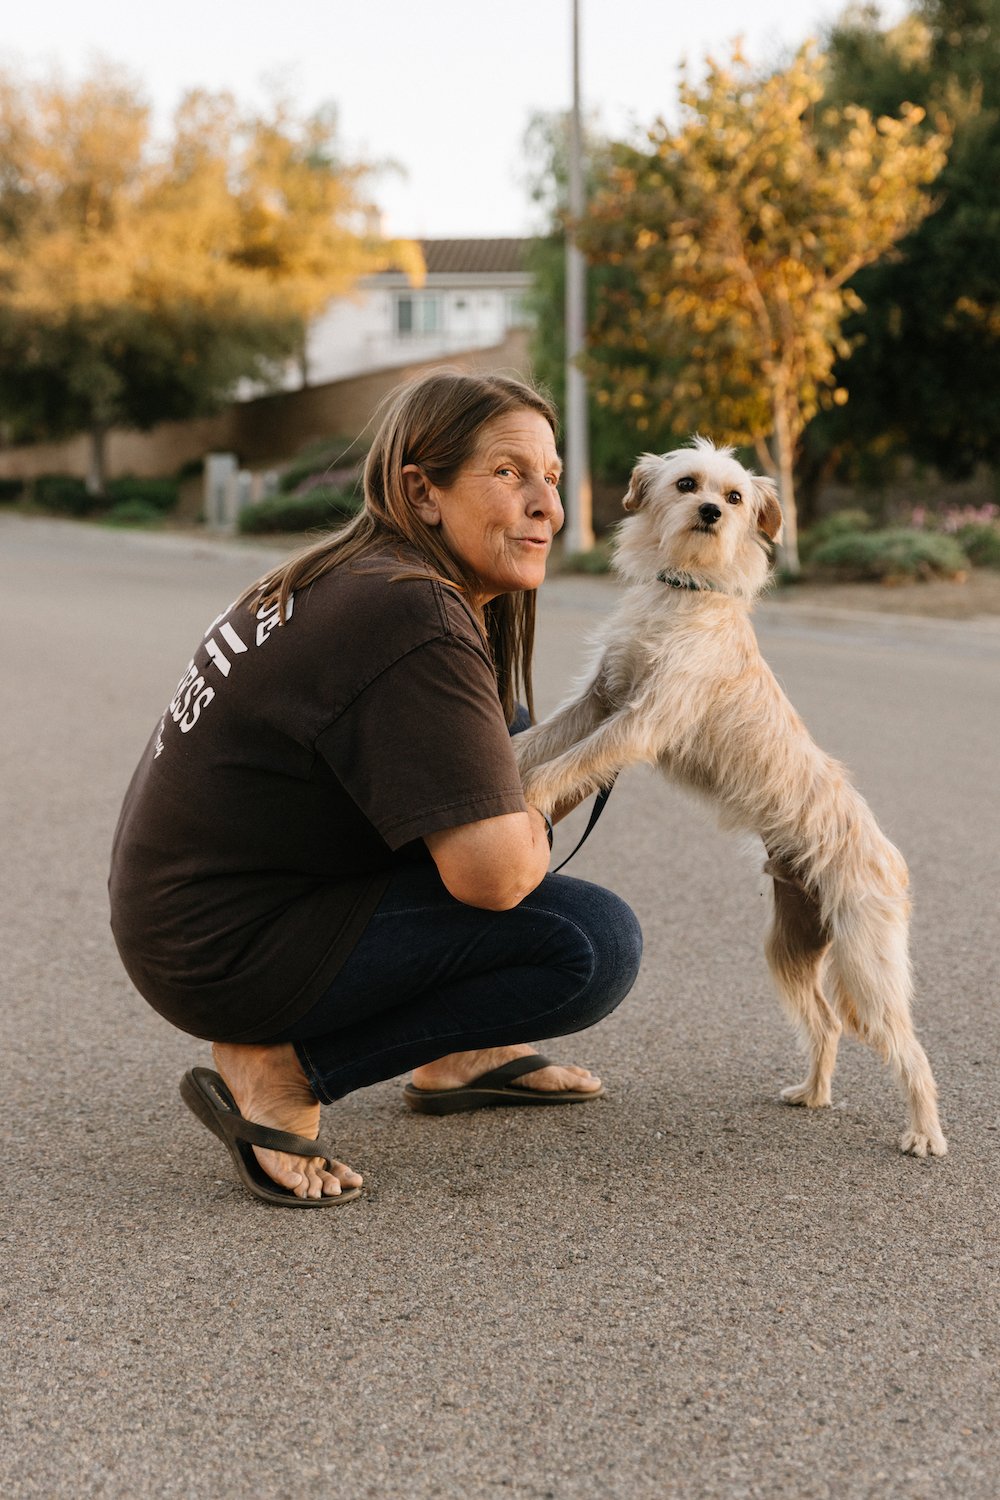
(261, 433)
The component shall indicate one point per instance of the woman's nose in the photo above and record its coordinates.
(545, 500)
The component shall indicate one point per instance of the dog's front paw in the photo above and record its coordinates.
(920, 1143)
(538, 790)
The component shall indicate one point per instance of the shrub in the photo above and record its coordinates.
(11, 490)
(64, 494)
(980, 542)
(323, 507)
(133, 513)
(597, 560)
(322, 462)
(889, 555)
(838, 524)
(159, 495)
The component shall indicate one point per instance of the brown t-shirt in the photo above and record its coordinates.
(296, 767)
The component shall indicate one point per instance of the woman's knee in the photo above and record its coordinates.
(618, 947)
(614, 939)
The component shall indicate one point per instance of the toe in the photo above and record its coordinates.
(560, 1079)
(346, 1174)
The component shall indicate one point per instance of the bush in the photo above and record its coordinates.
(840, 523)
(316, 463)
(159, 495)
(65, 495)
(324, 507)
(889, 556)
(981, 543)
(597, 560)
(133, 513)
(11, 491)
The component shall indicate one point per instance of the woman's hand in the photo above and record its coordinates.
(495, 863)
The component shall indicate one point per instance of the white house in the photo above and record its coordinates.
(473, 296)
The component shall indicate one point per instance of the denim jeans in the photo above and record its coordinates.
(431, 976)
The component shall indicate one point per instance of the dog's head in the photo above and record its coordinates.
(697, 511)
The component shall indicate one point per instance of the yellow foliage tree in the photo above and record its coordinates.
(734, 238)
(139, 283)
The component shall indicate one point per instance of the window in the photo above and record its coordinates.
(417, 313)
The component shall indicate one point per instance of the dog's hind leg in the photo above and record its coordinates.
(795, 946)
(870, 981)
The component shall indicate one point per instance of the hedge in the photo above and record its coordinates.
(980, 542)
(64, 494)
(160, 495)
(840, 523)
(69, 496)
(321, 507)
(889, 555)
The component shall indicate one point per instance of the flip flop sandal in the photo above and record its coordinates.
(207, 1096)
(495, 1087)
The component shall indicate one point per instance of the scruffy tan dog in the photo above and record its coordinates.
(680, 682)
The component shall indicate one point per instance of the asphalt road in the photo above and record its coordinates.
(686, 1290)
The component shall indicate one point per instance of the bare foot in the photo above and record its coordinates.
(270, 1088)
(459, 1068)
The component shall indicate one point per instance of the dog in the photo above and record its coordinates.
(680, 683)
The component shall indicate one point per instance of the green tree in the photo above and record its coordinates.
(140, 284)
(615, 439)
(739, 233)
(925, 376)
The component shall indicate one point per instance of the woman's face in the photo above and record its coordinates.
(502, 510)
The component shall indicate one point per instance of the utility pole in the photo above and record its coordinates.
(579, 532)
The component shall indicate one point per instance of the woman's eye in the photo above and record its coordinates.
(686, 485)
(551, 479)
(505, 471)
(734, 497)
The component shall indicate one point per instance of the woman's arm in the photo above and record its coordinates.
(495, 863)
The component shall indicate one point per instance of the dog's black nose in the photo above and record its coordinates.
(709, 512)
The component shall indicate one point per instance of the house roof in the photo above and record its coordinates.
(482, 257)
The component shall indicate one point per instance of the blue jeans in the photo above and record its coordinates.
(430, 976)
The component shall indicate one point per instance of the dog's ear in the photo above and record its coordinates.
(765, 493)
(639, 485)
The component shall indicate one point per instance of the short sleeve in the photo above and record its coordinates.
(424, 747)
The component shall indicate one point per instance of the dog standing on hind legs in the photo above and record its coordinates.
(680, 683)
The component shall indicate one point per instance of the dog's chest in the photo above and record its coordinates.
(669, 664)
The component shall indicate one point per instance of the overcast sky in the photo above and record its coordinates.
(444, 87)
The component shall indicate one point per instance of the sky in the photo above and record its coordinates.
(444, 89)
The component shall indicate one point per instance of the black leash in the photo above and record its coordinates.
(600, 803)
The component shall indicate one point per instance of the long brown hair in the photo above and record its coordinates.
(435, 422)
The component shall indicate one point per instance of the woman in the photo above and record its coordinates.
(324, 863)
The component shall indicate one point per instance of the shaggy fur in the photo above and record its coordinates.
(680, 683)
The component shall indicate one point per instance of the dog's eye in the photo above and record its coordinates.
(686, 485)
(734, 497)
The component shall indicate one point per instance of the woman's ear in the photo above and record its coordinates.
(420, 494)
(768, 510)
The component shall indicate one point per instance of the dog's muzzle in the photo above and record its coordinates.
(708, 514)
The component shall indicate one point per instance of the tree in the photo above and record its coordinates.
(740, 232)
(139, 285)
(925, 376)
(614, 438)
